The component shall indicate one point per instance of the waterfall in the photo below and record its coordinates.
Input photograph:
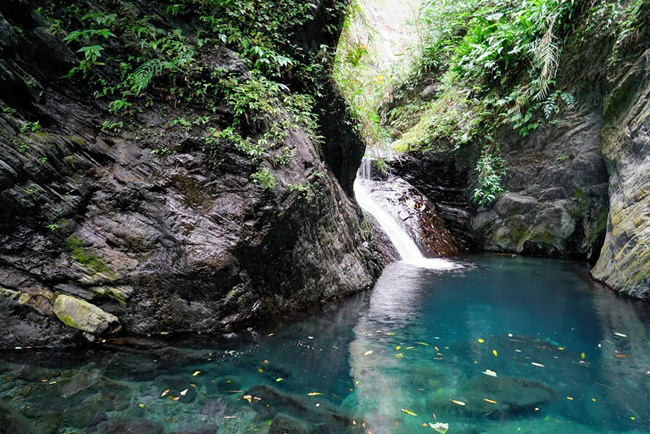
(406, 247)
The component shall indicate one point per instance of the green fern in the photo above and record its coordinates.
(143, 75)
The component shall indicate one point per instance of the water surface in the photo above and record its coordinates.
(422, 348)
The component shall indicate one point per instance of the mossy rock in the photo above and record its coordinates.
(84, 316)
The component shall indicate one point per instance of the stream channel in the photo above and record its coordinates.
(482, 343)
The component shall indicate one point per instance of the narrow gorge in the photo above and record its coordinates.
(324, 216)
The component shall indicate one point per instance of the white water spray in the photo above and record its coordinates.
(406, 247)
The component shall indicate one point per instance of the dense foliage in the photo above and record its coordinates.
(489, 64)
(134, 61)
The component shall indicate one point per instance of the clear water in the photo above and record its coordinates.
(339, 370)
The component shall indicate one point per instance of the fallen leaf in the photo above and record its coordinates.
(399, 355)
(397, 348)
(440, 427)
(457, 402)
(260, 370)
(409, 348)
(164, 393)
(314, 394)
(279, 379)
(367, 353)
(570, 398)
(583, 355)
(561, 348)
(141, 405)
(480, 341)
(196, 373)
(495, 353)
(621, 335)
(409, 412)
(490, 373)
(184, 392)
(422, 343)
(621, 356)
(248, 398)
(266, 362)
(539, 365)
(489, 400)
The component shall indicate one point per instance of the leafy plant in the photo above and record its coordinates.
(33, 127)
(265, 178)
(490, 170)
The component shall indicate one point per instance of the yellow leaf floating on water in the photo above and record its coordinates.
(248, 398)
(260, 370)
(490, 373)
(409, 412)
(367, 353)
(458, 402)
(480, 341)
(314, 394)
(440, 427)
(399, 355)
(141, 405)
(583, 355)
(397, 348)
(561, 348)
(164, 393)
(495, 353)
(422, 343)
(570, 398)
(489, 400)
(279, 379)
(409, 348)
(196, 373)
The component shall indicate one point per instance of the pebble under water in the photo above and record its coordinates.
(501, 345)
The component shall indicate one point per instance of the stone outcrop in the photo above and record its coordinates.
(625, 141)
(99, 226)
(84, 316)
(577, 187)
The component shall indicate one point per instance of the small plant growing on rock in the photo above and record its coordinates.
(265, 178)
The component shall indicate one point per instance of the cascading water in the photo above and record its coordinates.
(406, 247)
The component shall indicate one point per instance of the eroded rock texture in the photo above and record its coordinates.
(625, 260)
(163, 241)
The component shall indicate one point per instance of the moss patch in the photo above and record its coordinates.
(85, 257)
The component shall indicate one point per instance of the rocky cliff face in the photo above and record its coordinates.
(625, 142)
(576, 187)
(139, 229)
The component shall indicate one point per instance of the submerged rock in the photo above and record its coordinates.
(489, 396)
(179, 387)
(84, 316)
(274, 401)
(121, 426)
(283, 424)
(12, 422)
